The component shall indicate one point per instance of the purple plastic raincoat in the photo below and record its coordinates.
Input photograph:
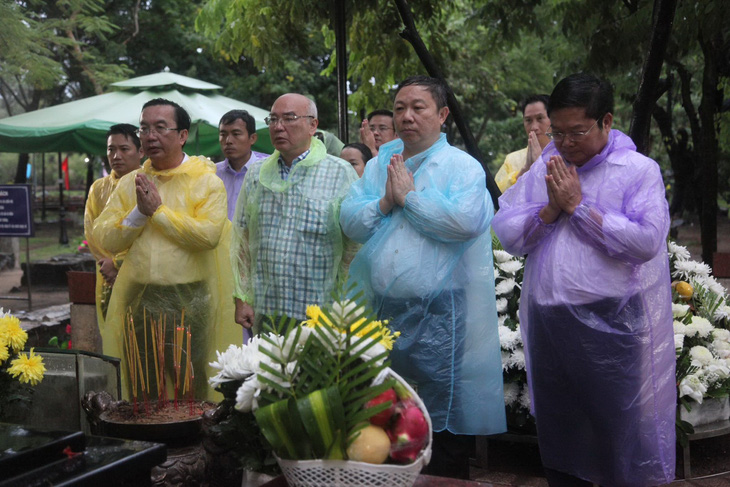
(596, 318)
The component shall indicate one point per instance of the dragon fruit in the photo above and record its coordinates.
(383, 417)
(409, 433)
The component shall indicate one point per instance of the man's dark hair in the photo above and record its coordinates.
(244, 116)
(434, 86)
(129, 131)
(380, 111)
(182, 119)
(364, 150)
(544, 99)
(586, 91)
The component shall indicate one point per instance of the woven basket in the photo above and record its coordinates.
(327, 473)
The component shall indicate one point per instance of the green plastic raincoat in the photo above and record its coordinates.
(288, 248)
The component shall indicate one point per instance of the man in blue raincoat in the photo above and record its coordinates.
(422, 212)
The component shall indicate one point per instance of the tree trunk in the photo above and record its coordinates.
(21, 171)
(646, 97)
(707, 153)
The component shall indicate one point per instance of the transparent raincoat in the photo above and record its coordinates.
(596, 318)
(99, 194)
(428, 269)
(288, 250)
(177, 260)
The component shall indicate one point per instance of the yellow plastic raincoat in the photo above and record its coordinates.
(99, 194)
(178, 260)
(288, 249)
(513, 164)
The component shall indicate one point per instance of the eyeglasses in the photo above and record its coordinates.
(574, 136)
(145, 131)
(285, 120)
(380, 128)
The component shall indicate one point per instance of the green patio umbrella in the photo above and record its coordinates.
(80, 126)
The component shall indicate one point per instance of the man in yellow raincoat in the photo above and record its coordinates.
(536, 122)
(124, 151)
(170, 217)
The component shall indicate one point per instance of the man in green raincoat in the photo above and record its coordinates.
(288, 249)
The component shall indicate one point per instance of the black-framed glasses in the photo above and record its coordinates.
(285, 119)
(145, 131)
(574, 136)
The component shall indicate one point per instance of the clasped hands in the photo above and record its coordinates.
(148, 198)
(563, 189)
(398, 185)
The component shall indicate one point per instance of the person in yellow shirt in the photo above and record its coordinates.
(536, 122)
(171, 218)
(124, 152)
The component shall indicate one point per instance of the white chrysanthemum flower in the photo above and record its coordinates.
(722, 313)
(497, 274)
(688, 269)
(502, 305)
(720, 347)
(502, 256)
(511, 393)
(517, 359)
(501, 319)
(505, 287)
(692, 387)
(678, 251)
(511, 266)
(709, 283)
(340, 310)
(505, 358)
(508, 339)
(236, 363)
(371, 352)
(679, 327)
(525, 401)
(678, 341)
(679, 310)
(247, 395)
(719, 369)
(704, 327)
(700, 356)
(721, 334)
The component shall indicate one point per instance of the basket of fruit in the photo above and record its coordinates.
(325, 402)
(390, 450)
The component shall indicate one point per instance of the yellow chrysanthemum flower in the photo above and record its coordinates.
(4, 352)
(10, 330)
(28, 368)
(382, 335)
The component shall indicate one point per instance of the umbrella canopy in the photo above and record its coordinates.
(81, 125)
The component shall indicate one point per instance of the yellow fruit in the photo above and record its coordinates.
(372, 445)
(684, 289)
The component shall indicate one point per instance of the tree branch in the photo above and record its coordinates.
(646, 96)
(135, 17)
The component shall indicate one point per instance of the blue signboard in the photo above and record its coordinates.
(16, 212)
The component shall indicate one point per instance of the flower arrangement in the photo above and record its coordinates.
(320, 389)
(508, 275)
(702, 340)
(16, 369)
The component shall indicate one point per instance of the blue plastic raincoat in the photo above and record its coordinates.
(428, 269)
(596, 318)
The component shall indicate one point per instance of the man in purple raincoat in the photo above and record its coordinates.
(596, 306)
